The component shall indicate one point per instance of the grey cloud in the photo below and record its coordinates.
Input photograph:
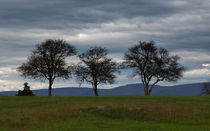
(179, 25)
(61, 14)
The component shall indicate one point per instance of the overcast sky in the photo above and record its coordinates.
(181, 26)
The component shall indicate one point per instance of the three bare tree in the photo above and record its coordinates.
(152, 64)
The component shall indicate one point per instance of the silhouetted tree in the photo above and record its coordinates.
(95, 68)
(48, 61)
(26, 91)
(152, 64)
(206, 88)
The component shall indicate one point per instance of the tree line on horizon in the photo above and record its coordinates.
(148, 62)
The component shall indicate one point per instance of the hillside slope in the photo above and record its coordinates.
(127, 90)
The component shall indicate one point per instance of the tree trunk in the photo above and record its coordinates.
(96, 91)
(146, 90)
(95, 88)
(50, 88)
(94, 85)
(147, 93)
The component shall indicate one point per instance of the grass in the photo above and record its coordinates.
(120, 113)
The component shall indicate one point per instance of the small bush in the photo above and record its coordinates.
(26, 91)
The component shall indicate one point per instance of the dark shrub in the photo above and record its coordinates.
(26, 91)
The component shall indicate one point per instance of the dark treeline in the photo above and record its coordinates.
(206, 88)
(150, 63)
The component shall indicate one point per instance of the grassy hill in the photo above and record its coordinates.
(105, 113)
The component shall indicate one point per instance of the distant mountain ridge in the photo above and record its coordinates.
(127, 90)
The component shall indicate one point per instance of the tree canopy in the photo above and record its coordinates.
(47, 61)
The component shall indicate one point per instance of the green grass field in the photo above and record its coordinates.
(119, 113)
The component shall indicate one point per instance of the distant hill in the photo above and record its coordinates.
(127, 90)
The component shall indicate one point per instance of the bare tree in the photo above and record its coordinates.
(95, 68)
(206, 88)
(47, 61)
(152, 64)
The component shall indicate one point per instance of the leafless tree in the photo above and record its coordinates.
(95, 68)
(152, 64)
(206, 88)
(47, 61)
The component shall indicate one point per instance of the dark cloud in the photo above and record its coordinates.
(181, 26)
(61, 14)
